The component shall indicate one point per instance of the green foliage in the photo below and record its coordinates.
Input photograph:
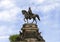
(12, 38)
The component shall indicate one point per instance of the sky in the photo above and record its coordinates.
(11, 18)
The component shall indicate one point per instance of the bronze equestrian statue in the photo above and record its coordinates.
(29, 15)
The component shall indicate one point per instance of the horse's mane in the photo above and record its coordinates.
(24, 11)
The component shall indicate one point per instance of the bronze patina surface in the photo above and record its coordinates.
(30, 15)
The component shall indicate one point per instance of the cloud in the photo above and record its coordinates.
(9, 17)
(6, 4)
(39, 5)
(2, 37)
(8, 30)
(37, 1)
(50, 7)
(8, 10)
(46, 6)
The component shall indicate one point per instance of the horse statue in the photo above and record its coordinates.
(30, 16)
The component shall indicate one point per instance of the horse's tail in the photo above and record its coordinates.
(38, 17)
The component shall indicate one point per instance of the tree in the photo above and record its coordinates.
(13, 38)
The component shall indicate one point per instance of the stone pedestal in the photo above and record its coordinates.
(30, 33)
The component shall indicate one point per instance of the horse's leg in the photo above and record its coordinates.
(35, 21)
(24, 19)
(27, 20)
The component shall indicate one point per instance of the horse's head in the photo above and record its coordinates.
(24, 12)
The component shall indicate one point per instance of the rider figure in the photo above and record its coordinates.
(30, 11)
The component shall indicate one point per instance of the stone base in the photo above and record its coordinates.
(31, 41)
(30, 33)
